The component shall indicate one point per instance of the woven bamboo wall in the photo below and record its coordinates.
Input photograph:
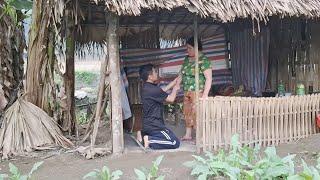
(263, 121)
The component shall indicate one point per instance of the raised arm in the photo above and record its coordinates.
(207, 86)
(171, 98)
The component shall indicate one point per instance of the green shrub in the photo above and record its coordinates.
(242, 163)
(15, 173)
(104, 174)
(81, 117)
(152, 173)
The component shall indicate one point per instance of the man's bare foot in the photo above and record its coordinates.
(139, 136)
(146, 141)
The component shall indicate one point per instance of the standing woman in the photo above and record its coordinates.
(189, 85)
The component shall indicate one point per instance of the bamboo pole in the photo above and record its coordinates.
(114, 62)
(197, 80)
(277, 113)
(294, 118)
(272, 118)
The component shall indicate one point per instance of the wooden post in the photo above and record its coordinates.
(198, 140)
(69, 77)
(114, 62)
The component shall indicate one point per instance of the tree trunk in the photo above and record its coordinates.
(39, 76)
(12, 44)
(114, 62)
(69, 121)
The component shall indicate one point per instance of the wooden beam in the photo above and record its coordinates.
(174, 30)
(198, 140)
(114, 62)
(69, 120)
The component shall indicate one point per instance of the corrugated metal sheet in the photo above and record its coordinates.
(250, 56)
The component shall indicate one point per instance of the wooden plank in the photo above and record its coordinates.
(229, 124)
(299, 123)
(308, 115)
(202, 125)
(260, 104)
(214, 127)
(234, 117)
(219, 120)
(277, 122)
(243, 119)
(281, 130)
(290, 119)
(286, 123)
(272, 118)
(294, 121)
(317, 108)
(255, 121)
(313, 113)
(250, 122)
(266, 122)
(239, 119)
(212, 105)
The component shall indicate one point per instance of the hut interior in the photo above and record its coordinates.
(256, 55)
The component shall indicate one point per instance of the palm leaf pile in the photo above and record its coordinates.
(26, 127)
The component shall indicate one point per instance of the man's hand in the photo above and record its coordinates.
(176, 87)
(178, 80)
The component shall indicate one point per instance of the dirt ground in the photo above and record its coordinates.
(62, 165)
(58, 164)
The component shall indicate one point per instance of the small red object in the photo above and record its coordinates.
(318, 120)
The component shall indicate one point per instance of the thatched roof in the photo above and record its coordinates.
(174, 18)
(222, 10)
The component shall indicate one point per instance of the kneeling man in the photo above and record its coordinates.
(155, 133)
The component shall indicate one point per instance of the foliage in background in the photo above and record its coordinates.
(16, 9)
(104, 174)
(16, 173)
(171, 108)
(152, 173)
(81, 117)
(86, 78)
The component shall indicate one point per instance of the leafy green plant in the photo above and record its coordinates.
(242, 163)
(152, 173)
(16, 174)
(232, 165)
(104, 174)
(308, 173)
(81, 117)
(273, 166)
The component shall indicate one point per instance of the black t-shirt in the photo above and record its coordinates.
(152, 98)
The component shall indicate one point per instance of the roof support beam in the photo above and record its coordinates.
(198, 137)
(114, 62)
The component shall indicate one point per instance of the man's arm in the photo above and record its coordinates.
(173, 95)
(170, 85)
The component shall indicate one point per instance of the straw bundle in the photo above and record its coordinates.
(26, 127)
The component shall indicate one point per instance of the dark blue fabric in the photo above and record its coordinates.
(164, 139)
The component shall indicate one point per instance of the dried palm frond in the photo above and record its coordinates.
(26, 128)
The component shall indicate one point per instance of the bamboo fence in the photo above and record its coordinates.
(258, 121)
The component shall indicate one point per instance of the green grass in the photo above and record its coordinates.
(86, 78)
